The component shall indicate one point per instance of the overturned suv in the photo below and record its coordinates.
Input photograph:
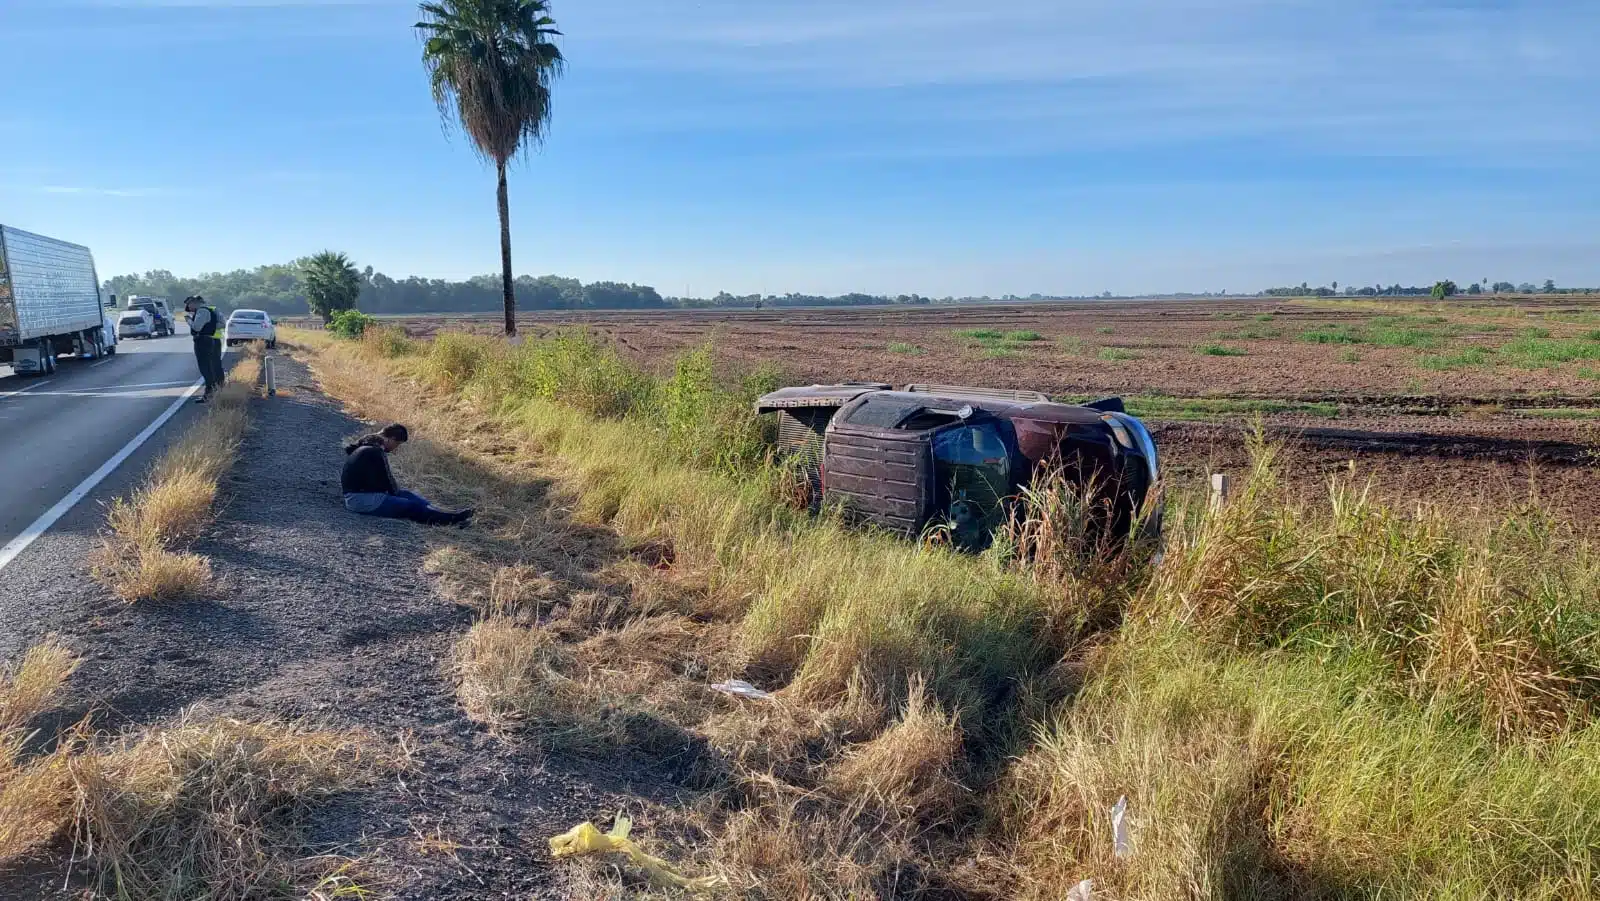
(934, 455)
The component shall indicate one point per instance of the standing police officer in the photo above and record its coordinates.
(203, 325)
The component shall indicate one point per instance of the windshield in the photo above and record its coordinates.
(133, 316)
(247, 316)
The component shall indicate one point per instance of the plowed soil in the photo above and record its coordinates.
(1434, 400)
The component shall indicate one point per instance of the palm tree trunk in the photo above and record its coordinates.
(505, 253)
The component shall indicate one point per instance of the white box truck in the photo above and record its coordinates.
(50, 302)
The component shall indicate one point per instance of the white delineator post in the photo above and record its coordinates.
(272, 381)
(1220, 483)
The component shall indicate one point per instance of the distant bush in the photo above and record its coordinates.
(901, 347)
(350, 324)
(981, 334)
(1116, 353)
(1220, 350)
(1023, 336)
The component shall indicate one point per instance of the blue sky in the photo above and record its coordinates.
(1015, 146)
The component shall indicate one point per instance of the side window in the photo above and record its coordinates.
(972, 466)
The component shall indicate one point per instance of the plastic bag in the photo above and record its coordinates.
(585, 838)
(743, 689)
(1119, 828)
(1083, 891)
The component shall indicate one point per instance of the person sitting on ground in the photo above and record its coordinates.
(370, 489)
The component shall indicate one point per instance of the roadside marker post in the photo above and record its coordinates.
(1220, 483)
(272, 381)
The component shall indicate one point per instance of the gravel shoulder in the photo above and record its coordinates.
(322, 615)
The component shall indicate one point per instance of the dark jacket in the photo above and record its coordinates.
(366, 471)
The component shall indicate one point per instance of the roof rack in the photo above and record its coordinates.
(1027, 397)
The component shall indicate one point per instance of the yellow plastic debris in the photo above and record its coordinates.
(585, 838)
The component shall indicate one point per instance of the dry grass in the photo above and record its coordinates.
(198, 809)
(142, 556)
(210, 808)
(34, 793)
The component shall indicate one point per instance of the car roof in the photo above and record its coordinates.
(257, 312)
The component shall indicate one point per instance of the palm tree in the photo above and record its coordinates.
(491, 64)
(332, 283)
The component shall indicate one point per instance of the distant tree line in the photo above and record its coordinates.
(281, 289)
(1446, 288)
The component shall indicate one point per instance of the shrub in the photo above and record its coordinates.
(1220, 350)
(388, 342)
(350, 324)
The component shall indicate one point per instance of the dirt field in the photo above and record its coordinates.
(1483, 402)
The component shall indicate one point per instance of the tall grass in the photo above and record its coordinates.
(1305, 697)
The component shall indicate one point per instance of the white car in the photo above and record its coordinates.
(136, 324)
(249, 325)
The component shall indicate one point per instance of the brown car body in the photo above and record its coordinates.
(941, 455)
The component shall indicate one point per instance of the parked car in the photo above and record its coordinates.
(160, 314)
(137, 323)
(250, 325)
(933, 455)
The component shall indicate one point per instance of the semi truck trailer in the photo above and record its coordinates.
(50, 302)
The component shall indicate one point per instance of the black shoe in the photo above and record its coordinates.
(202, 398)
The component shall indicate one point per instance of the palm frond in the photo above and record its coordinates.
(491, 66)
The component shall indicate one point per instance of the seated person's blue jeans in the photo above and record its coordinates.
(409, 505)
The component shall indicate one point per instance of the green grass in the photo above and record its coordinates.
(1105, 330)
(1266, 317)
(1332, 334)
(1403, 336)
(1117, 353)
(1349, 356)
(1073, 346)
(1533, 351)
(901, 347)
(1562, 412)
(1220, 350)
(1469, 356)
(998, 345)
(1589, 372)
(1248, 334)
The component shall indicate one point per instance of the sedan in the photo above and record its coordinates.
(250, 325)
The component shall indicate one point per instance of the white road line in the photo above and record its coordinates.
(101, 363)
(27, 389)
(39, 526)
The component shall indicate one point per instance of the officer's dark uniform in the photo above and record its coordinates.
(208, 348)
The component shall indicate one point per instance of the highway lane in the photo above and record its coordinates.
(58, 430)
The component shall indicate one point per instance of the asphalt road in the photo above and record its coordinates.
(58, 430)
